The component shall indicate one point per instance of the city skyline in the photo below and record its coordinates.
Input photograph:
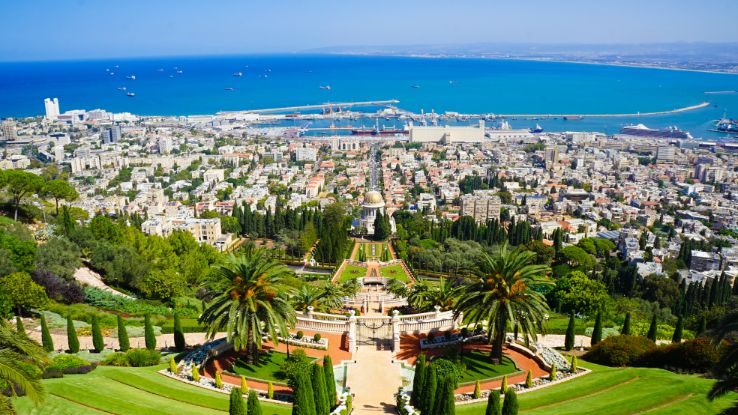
(85, 30)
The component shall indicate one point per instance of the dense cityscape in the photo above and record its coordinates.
(367, 235)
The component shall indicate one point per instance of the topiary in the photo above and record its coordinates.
(253, 406)
(123, 342)
(619, 350)
(299, 335)
(553, 373)
(143, 357)
(97, 339)
(195, 373)
(46, 339)
(477, 390)
(652, 329)
(179, 338)
(173, 369)
(72, 340)
(529, 380)
(510, 405)
(316, 337)
(597, 331)
(503, 386)
(236, 405)
(626, 325)
(569, 339)
(270, 390)
(574, 365)
(330, 380)
(149, 335)
(244, 385)
(494, 406)
(218, 380)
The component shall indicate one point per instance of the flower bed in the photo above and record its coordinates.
(444, 340)
(184, 374)
(307, 342)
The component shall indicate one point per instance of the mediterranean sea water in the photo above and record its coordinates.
(201, 85)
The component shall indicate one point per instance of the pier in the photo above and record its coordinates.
(637, 114)
(313, 107)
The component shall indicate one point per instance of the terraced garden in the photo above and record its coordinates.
(395, 271)
(125, 391)
(620, 391)
(351, 272)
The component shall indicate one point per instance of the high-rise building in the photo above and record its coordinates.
(9, 131)
(111, 135)
(665, 154)
(482, 205)
(165, 145)
(551, 157)
(52, 108)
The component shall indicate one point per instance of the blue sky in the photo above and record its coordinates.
(60, 29)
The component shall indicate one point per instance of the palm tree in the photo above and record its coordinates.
(21, 363)
(253, 303)
(503, 296)
(331, 297)
(307, 296)
(419, 296)
(444, 294)
(726, 370)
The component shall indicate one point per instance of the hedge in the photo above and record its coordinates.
(619, 350)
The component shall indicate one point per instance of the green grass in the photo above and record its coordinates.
(620, 391)
(351, 272)
(267, 368)
(124, 391)
(479, 367)
(189, 325)
(395, 271)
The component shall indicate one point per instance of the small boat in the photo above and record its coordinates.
(179, 71)
(415, 86)
(536, 129)
(229, 89)
(573, 118)
(131, 77)
(237, 74)
(326, 87)
(121, 88)
(111, 73)
(130, 94)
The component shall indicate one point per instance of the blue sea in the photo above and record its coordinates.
(192, 85)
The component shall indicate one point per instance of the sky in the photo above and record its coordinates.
(97, 29)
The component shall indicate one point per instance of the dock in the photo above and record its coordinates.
(298, 108)
(637, 114)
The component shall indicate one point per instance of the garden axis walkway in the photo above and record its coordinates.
(374, 380)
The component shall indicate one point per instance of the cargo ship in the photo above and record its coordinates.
(641, 130)
(377, 131)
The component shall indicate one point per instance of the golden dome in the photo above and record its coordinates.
(373, 197)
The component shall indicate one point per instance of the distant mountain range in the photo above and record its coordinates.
(714, 57)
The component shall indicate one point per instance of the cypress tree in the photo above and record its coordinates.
(652, 329)
(703, 324)
(172, 365)
(418, 379)
(477, 390)
(597, 331)
(319, 392)
(569, 339)
(330, 380)
(574, 364)
(72, 340)
(529, 380)
(270, 390)
(123, 343)
(429, 390)
(503, 386)
(218, 380)
(19, 326)
(626, 325)
(97, 339)
(46, 339)
(179, 339)
(677, 337)
(444, 402)
(236, 406)
(303, 396)
(195, 373)
(253, 405)
(493, 403)
(149, 335)
(510, 405)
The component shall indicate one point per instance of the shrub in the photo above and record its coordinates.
(493, 404)
(330, 380)
(503, 387)
(316, 337)
(597, 330)
(67, 361)
(253, 406)
(116, 359)
(553, 373)
(195, 373)
(477, 390)
(569, 339)
(236, 405)
(244, 385)
(619, 350)
(173, 369)
(626, 325)
(270, 390)
(57, 288)
(431, 337)
(143, 357)
(300, 335)
(529, 380)
(218, 380)
(574, 365)
(695, 356)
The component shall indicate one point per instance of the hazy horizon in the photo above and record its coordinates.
(82, 30)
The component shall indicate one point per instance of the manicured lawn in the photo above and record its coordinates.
(125, 391)
(395, 271)
(619, 391)
(189, 325)
(479, 367)
(351, 272)
(268, 367)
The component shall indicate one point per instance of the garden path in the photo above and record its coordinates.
(374, 380)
